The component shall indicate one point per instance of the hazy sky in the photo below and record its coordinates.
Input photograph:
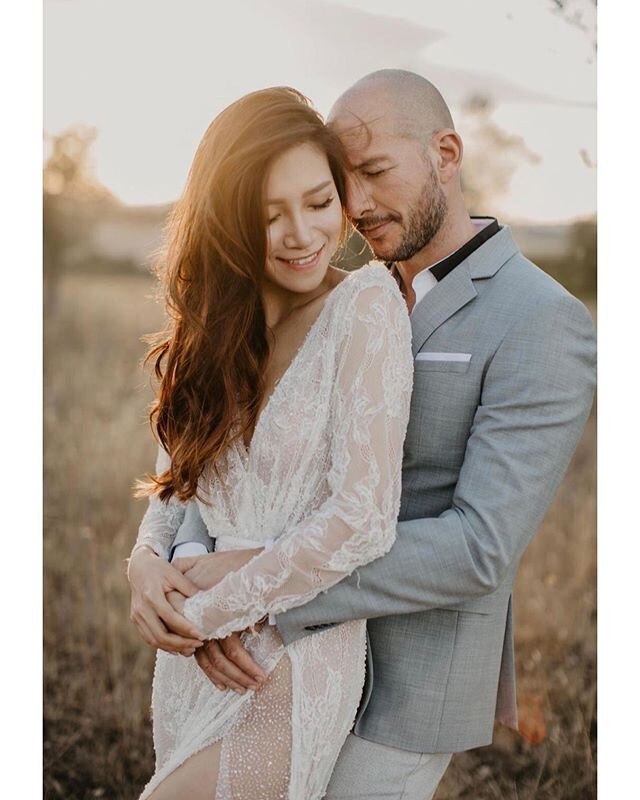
(151, 74)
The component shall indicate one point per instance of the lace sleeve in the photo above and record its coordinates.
(357, 522)
(161, 520)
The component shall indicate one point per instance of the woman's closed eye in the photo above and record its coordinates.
(325, 204)
(374, 173)
(314, 206)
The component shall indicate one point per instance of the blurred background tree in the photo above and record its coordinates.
(492, 155)
(577, 267)
(581, 13)
(72, 200)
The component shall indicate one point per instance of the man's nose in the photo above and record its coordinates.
(359, 200)
(298, 233)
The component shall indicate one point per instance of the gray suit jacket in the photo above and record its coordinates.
(488, 442)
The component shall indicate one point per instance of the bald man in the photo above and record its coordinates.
(503, 382)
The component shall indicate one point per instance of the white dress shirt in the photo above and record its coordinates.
(422, 284)
(187, 549)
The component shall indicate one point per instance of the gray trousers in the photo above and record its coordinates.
(371, 771)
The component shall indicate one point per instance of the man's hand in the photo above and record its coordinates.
(228, 665)
(226, 662)
(206, 570)
(150, 579)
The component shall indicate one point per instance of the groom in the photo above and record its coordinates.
(504, 378)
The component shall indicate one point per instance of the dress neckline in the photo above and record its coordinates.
(247, 448)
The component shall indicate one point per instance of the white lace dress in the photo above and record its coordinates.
(321, 484)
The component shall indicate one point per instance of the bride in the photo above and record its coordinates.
(284, 390)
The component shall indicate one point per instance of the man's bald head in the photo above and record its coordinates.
(409, 102)
(403, 154)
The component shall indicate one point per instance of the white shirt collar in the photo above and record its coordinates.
(424, 281)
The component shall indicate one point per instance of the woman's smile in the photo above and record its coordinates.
(302, 262)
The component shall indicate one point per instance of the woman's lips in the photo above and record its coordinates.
(304, 263)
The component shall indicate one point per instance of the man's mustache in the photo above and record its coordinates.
(364, 224)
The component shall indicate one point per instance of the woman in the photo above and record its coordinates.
(284, 398)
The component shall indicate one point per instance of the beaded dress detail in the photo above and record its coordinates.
(320, 482)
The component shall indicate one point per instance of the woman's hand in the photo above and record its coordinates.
(150, 579)
(226, 662)
(207, 570)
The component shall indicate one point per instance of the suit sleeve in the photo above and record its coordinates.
(192, 530)
(524, 433)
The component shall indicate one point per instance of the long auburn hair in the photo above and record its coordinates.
(210, 360)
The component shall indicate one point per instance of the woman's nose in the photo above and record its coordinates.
(299, 233)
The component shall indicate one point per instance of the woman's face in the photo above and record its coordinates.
(304, 218)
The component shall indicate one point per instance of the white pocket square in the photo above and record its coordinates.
(464, 357)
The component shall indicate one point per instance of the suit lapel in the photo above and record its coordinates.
(441, 303)
(457, 289)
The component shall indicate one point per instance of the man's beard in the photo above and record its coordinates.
(425, 219)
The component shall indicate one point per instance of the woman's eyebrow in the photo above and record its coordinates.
(278, 201)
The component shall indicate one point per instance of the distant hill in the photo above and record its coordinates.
(539, 242)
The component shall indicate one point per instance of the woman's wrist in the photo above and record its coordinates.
(143, 546)
(137, 550)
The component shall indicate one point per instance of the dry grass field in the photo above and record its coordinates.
(98, 672)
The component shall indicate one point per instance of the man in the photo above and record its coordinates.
(504, 378)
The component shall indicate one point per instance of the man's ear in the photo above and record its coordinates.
(448, 147)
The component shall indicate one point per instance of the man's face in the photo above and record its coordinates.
(393, 195)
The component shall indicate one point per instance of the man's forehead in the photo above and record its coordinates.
(349, 114)
(360, 133)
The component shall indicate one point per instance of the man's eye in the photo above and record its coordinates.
(374, 173)
(326, 204)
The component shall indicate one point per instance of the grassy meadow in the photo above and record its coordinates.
(98, 672)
